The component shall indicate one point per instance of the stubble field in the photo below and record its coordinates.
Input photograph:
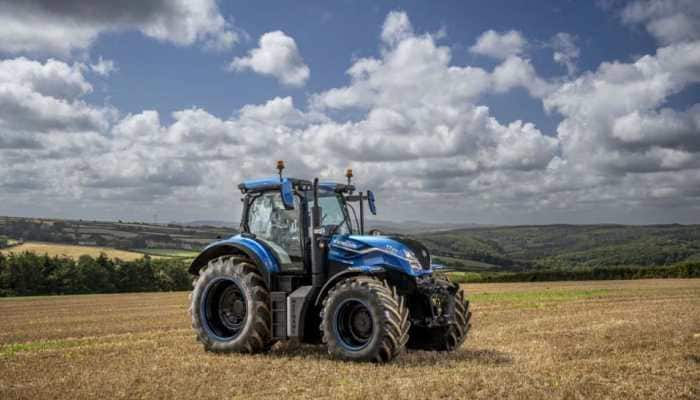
(615, 339)
(71, 251)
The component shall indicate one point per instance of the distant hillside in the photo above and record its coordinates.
(565, 246)
(120, 235)
(415, 227)
(467, 248)
(214, 223)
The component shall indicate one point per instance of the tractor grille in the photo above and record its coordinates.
(417, 248)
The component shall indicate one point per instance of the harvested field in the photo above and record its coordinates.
(603, 339)
(67, 250)
(169, 253)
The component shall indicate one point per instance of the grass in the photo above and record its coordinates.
(603, 339)
(40, 345)
(539, 297)
(55, 249)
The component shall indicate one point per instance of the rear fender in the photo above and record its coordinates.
(264, 261)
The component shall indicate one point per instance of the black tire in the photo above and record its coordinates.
(446, 338)
(364, 319)
(230, 307)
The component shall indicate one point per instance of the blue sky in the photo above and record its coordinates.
(460, 111)
(331, 35)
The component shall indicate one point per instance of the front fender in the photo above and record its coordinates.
(344, 274)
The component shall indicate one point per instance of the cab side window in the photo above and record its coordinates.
(278, 227)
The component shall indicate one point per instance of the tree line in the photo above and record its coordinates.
(687, 269)
(28, 273)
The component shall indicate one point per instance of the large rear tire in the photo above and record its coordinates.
(364, 319)
(230, 307)
(446, 338)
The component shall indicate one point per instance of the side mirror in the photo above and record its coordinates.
(287, 194)
(370, 201)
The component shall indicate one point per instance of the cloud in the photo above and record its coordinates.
(410, 121)
(669, 21)
(396, 27)
(415, 72)
(420, 107)
(499, 45)
(277, 55)
(38, 98)
(52, 78)
(45, 26)
(518, 72)
(611, 119)
(103, 67)
(565, 51)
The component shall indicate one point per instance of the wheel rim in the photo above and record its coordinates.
(224, 309)
(353, 324)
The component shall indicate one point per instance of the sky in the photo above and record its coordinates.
(503, 112)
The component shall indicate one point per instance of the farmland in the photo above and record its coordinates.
(482, 249)
(614, 339)
(117, 234)
(71, 251)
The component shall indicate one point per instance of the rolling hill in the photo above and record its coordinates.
(464, 247)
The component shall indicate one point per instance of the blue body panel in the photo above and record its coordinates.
(359, 252)
(372, 251)
(268, 260)
(253, 184)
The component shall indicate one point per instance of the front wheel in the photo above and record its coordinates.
(364, 319)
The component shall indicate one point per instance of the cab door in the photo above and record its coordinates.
(278, 228)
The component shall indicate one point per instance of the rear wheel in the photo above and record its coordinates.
(364, 319)
(445, 338)
(230, 307)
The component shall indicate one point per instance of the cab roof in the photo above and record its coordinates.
(274, 183)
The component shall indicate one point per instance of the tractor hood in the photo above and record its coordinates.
(396, 252)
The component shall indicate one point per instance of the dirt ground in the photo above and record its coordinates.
(611, 339)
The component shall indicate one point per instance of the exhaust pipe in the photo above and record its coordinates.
(317, 273)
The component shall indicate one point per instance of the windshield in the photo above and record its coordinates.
(333, 212)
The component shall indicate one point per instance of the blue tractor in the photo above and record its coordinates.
(302, 269)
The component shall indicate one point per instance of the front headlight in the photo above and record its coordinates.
(413, 260)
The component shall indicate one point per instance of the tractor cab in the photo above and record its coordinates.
(277, 212)
(302, 260)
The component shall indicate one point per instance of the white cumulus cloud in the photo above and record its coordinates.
(499, 44)
(60, 27)
(410, 121)
(277, 55)
(669, 21)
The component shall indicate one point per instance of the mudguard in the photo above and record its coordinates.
(347, 273)
(265, 261)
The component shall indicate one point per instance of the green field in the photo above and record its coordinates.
(522, 248)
